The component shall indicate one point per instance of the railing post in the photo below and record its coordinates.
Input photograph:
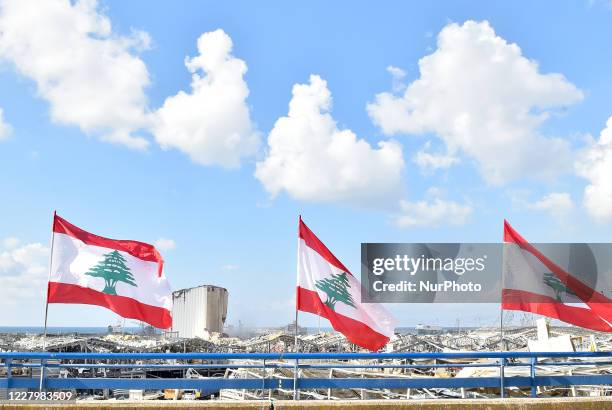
(502, 392)
(271, 379)
(532, 373)
(263, 383)
(331, 376)
(296, 377)
(9, 374)
(362, 391)
(573, 387)
(43, 367)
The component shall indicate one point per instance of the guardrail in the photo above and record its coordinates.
(298, 362)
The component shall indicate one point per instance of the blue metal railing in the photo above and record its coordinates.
(222, 361)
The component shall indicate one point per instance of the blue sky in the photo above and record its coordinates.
(232, 215)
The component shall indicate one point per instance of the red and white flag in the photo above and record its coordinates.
(121, 275)
(533, 283)
(326, 288)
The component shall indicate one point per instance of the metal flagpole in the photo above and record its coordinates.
(296, 393)
(44, 347)
(501, 349)
(296, 340)
(501, 303)
(501, 329)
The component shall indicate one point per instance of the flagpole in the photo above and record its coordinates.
(502, 393)
(296, 332)
(501, 308)
(44, 346)
(501, 327)
(296, 393)
(501, 305)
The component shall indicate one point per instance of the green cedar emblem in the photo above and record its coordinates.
(112, 269)
(336, 288)
(551, 280)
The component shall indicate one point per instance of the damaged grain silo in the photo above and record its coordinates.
(199, 310)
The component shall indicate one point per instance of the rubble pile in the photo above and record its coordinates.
(514, 339)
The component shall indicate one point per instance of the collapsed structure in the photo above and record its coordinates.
(199, 315)
(199, 310)
(515, 339)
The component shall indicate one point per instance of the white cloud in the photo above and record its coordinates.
(433, 213)
(604, 3)
(559, 204)
(429, 161)
(312, 159)
(230, 267)
(88, 74)
(211, 124)
(397, 74)
(5, 128)
(165, 244)
(11, 242)
(23, 272)
(595, 164)
(482, 97)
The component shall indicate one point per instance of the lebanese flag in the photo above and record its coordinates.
(121, 275)
(534, 283)
(326, 288)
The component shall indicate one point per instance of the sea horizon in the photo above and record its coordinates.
(54, 330)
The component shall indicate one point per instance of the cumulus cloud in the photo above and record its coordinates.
(230, 267)
(11, 242)
(558, 204)
(5, 128)
(432, 213)
(211, 123)
(429, 161)
(165, 244)
(23, 271)
(483, 98)
(89, 75)
(397, 74)
(312, 159)
(595, 164)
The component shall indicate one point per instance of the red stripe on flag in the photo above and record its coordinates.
(137, 249)
(598, 303)
(525, 301)
(314, 243)
(356, 332)
(123, 306)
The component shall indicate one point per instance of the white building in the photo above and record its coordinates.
(197, 311)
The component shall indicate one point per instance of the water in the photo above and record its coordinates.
(54, 330)
(63, 330)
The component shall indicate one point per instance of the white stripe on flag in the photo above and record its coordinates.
(313, 267)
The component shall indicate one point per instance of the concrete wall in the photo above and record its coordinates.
(562, 403)
(197, 310)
